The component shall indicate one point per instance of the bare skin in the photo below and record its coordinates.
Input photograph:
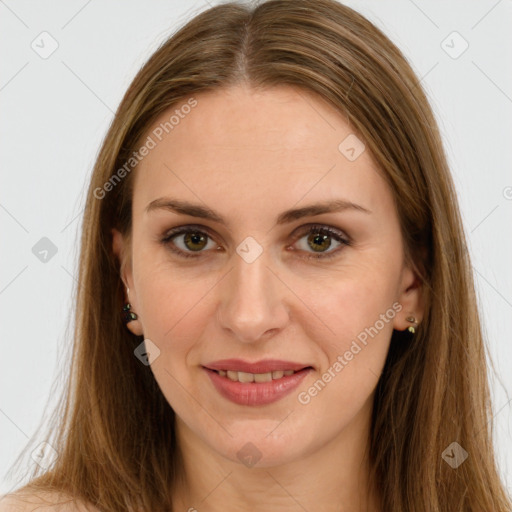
(249, 156)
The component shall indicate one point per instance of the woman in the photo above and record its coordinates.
(276, 307)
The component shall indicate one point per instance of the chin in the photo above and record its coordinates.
(259, 447)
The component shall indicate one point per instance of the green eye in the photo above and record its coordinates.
(319, 239)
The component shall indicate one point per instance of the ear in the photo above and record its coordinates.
(121, 248)
(411, 298)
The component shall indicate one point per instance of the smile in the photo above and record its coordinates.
(256, 389)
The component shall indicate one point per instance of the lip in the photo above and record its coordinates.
(256, 393)
(262, 366)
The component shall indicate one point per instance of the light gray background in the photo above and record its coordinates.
(55, 112)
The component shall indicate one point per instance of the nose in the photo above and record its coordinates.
(253, 300)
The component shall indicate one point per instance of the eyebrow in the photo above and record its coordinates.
(203, 212)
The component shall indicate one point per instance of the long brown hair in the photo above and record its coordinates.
(114, 430)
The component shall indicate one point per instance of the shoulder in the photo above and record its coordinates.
(42, 502)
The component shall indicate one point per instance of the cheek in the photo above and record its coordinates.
(172, 304)
(352, 327)
(353, 359)
(174, 313)
(347, 303)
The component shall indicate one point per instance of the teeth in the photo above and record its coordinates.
(245, 377)
(232, 375)
(254, 377)
(264, 377)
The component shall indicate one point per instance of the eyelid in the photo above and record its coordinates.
(179, 230)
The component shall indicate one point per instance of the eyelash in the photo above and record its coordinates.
(317, 229)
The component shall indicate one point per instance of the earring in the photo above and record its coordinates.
(127, 314)
(412, 329)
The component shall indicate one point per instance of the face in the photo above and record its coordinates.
(316, 290)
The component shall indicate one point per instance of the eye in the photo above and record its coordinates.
(319, 238)
(190, 241)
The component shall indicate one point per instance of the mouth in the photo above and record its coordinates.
(256, 384)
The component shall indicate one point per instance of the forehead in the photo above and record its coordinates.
(255, 148)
